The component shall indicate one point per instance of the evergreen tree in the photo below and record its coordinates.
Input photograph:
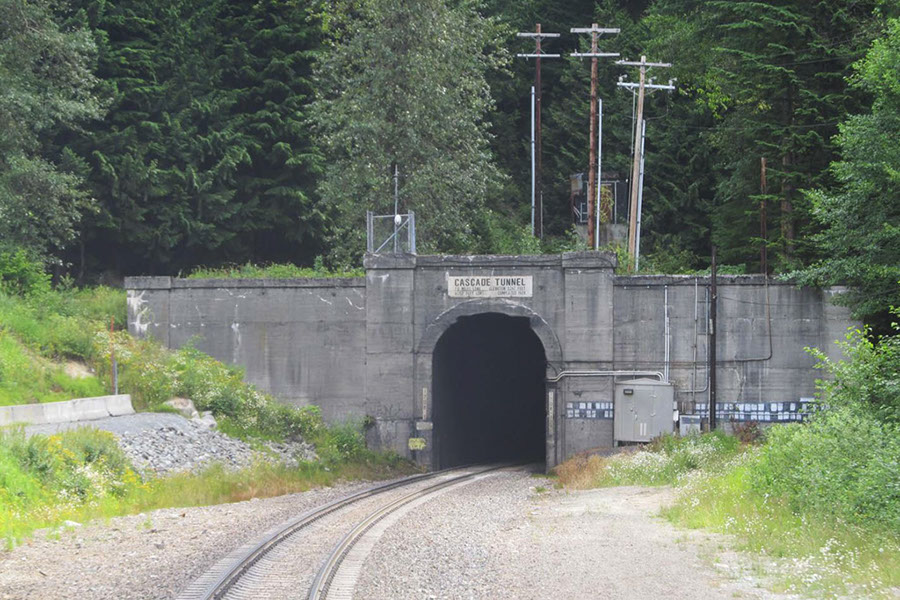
(860, 240)
(404, 85)
(773, 77)
(46, 70)
(204, 158)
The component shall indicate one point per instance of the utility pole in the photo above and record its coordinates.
(594, 54)
(396, 208)
(640, 201)
(641, 86)
(538, 198)
(713, 304)
(763, 225)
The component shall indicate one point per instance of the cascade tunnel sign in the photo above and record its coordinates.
(489, 286)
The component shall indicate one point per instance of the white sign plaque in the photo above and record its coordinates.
(489, 286)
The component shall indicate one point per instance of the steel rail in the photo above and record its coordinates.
(216, 582)
(329, 570)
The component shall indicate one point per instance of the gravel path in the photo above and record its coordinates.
(500, 538)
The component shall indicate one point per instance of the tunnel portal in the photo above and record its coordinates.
(488, 386)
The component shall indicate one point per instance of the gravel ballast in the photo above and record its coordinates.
(145, 557)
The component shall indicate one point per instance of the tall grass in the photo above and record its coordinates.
(82, 474)
(665, 462)
(821, 553)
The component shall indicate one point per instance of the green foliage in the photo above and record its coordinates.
(825, 493)
(19, 275)
(27, 378)
(205, 157)
(45, 66)
(62, 323)
(502, 234)
(860, 241)
(341, 443)
(827, 556)
(38, 324)
(769, 80)
(404, 84)
(845, 464)
(57, 475)
(868, 379)
(273, 271)
(81, 474)
(153, 374)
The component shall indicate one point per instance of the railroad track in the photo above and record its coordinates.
(243, 572)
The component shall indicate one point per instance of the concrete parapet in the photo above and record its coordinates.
(80, 409)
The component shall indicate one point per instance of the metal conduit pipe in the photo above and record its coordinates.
(666, 330)
(659, 376)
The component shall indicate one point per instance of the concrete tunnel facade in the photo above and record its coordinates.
(466, 358)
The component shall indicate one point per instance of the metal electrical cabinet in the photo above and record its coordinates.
(644, 409)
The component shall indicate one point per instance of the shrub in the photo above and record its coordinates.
(22, 276)
(870, 375)
(272, 271)
(844, 463)
(153, 374)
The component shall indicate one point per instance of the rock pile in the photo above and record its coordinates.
(193, 444)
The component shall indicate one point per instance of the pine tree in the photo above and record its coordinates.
(773, 76)
(204, 158)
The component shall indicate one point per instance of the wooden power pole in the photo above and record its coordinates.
(642, 85)
(594, 54)
(538, 199)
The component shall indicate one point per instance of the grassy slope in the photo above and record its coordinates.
(79, 475)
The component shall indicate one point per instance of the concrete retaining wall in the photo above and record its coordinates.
(81, 409)
(762, 336)
(365, 346)
(303, 340)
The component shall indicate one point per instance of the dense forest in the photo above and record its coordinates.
(155, 137)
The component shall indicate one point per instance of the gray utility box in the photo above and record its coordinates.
(644, 409)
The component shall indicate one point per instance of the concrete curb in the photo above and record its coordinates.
(80, 409)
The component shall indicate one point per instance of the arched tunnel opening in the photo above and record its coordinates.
(488, 379)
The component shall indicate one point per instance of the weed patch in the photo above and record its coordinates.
(665, 462)
(272, 271)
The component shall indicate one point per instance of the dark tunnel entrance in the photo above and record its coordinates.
(488, 385)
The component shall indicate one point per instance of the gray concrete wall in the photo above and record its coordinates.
(761, 353)
(365, 347)
(303, 340)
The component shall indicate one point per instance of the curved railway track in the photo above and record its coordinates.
(241, 574)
